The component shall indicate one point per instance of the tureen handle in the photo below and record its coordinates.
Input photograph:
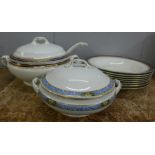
(77, 45)
(118, 86)
(73, 57)
(76, 62)
(35, 83)
(40, 40)
(4, 60)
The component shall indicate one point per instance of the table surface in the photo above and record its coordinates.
(19, 102)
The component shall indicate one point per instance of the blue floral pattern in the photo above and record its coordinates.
(102, 91)
(75, 107)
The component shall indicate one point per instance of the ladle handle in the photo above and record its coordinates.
(77, 45)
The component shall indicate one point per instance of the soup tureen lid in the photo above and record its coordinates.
(77, 79)
(39, 48)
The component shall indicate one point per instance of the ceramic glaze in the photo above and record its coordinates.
(77, 79)
(76, 110)
(73, 101)
(79, 93)
(39, 48)
(27, 74)
(72, 107)
(132, 74)
(31, 60)
(119, 64)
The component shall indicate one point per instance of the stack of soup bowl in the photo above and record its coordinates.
(77, 89)
(37, 58)
(133, 74)
(63, 81)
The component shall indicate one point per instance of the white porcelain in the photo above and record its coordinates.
(77, 79)
(37, 58)
(119, 64)
(27, 73)
(73, 107)
(39, 63)
(40, 48)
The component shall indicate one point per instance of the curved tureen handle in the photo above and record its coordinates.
(4, 60)
(118, 86)
(76, 62)
(40, 40)
(72, 57)
(153, 71)
(77, 45)
(35, 83)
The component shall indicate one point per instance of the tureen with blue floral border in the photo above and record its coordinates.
(76, 89)
(77, 79)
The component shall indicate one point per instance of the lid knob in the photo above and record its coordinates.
(76, 62)
(40, 40)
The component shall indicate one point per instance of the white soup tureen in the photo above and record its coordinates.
(37, 58)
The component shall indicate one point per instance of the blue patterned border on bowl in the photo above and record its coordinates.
(76, 107)
(102, 91)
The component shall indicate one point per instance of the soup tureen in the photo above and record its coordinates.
(76, 89)
(37, 58)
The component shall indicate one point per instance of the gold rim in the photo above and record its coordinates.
(78, 98)
(134, 88)
(135, 85)
(33, 66)
(128, 75)
(36, 60)
(131, 80)
(38, 63)
(150, 66)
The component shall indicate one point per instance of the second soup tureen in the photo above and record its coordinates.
(76, 89)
